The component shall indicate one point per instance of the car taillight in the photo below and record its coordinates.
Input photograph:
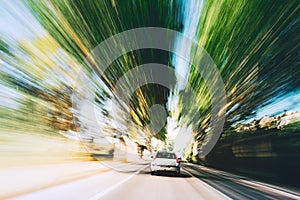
(154, 157)
(176, 159)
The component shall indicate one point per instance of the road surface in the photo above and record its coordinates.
(134, 182)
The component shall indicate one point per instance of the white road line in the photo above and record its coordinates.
(210, 187)
(256, 184)
(266, 188)
(102, 193)
(117, 167)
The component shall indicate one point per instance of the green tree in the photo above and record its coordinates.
(248, 42)
(78, 26)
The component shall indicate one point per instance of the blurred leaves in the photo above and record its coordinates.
(255, 45)
(79, 26)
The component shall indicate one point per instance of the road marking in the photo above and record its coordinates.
(118, 167)
(254, 184)
(102, 193)
(276, 191)
(210, 187)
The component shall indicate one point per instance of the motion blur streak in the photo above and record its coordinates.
(46, 87)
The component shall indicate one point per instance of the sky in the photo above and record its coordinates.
(290, 102)
(17, 22)
(191, 13)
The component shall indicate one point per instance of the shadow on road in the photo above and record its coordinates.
(172, 174)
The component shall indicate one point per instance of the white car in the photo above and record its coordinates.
(165, 161)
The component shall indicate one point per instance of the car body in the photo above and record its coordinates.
(165, 161)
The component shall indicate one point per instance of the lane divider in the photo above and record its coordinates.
(258, 185)
(248, 182)
(105, 192)
(210, 187)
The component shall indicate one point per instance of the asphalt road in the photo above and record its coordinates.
(134, 182)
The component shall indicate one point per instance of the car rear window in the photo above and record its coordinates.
(165, 155)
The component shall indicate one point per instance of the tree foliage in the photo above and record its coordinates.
(79, 26)
(255, 45)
